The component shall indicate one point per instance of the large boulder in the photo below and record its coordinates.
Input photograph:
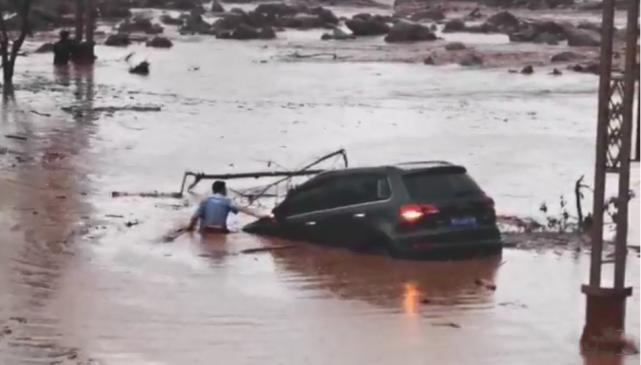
(582, 37)
(503, 22)
(367, 26)
(404, 31)
(216, 7)
(169, 20)
(267, 32)
(118, 40)
(454, 25)
(244, 31)
(471, 59)
(326, 15)
(195, 24)
(160, 42)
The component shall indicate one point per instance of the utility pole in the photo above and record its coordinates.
(605, 306)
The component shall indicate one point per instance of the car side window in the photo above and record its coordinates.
(307, 200)
(358, 189)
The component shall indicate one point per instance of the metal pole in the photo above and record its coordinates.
(637, 155)
(80, 14)
(626, 145)
(601, 141)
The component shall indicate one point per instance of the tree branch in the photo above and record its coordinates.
(23, 13)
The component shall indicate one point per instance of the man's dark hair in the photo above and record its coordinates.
(219, 187)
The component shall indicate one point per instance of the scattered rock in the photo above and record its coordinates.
(276, 9)
(140, 24)
(118, 40)
(404, 31)
(45, 48)
(471, 59)
(429, 60)
(527, 70)
(367, 26)
(566, 56)
(556, 72)
(593, 68)
(454, 25)
(160, 42)
(446, 324)
(455, 46)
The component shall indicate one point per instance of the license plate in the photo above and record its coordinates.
(464, 221)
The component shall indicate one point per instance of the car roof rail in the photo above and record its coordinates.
(426, 163)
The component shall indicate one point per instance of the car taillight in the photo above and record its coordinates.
(411, 213)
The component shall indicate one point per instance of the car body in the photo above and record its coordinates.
(408, 210)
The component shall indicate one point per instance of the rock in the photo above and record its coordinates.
(244, 31)
(454, 25)
(169, 20)
(547, 38)
(455, 46)
(565, 57)
(45, 48)
(404, 31)
(140, 24)
(429, 14)
(141, 69)
(227, 22)
(326, 15)
(582, 37)
(216, 7)
(113, 10)
(301, 21)
(429, 60)
(118, 40)
(337, 34)
(195, 24)
(503, 22)
(556, 72)
(267, 32)
(527, 70)
(160, 42)
(593, 68)
(471, 59)
(367, 27)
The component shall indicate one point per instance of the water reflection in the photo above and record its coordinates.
(399, 285)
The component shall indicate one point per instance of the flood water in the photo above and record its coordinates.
(85, 278)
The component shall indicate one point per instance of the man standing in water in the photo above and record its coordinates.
(213, 211)
(63, 49)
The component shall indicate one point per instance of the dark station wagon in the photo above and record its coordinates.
(407, 210)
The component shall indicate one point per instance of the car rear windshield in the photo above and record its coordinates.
(437, 186)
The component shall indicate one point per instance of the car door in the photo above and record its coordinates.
(358, 203)
(303, 213)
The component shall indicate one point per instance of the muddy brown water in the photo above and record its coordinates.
(79, 285)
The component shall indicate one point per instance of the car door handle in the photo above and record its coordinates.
(359, 215)
(310, 223)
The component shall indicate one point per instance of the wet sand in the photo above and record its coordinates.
(79, 285)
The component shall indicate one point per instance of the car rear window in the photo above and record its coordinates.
(437, 186)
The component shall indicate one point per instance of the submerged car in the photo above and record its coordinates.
(405, 209)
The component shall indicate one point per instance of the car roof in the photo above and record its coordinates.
(403, 168)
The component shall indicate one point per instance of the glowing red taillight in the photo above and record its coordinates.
(411, 213)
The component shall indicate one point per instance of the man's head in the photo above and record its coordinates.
(64, 34)
(219, 187)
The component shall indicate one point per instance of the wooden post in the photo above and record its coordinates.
(90, 12)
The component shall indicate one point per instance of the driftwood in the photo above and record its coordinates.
(113, 109)
(267, 249)
(15, 136)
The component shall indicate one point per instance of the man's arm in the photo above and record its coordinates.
(235, 209)
(197, 215)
